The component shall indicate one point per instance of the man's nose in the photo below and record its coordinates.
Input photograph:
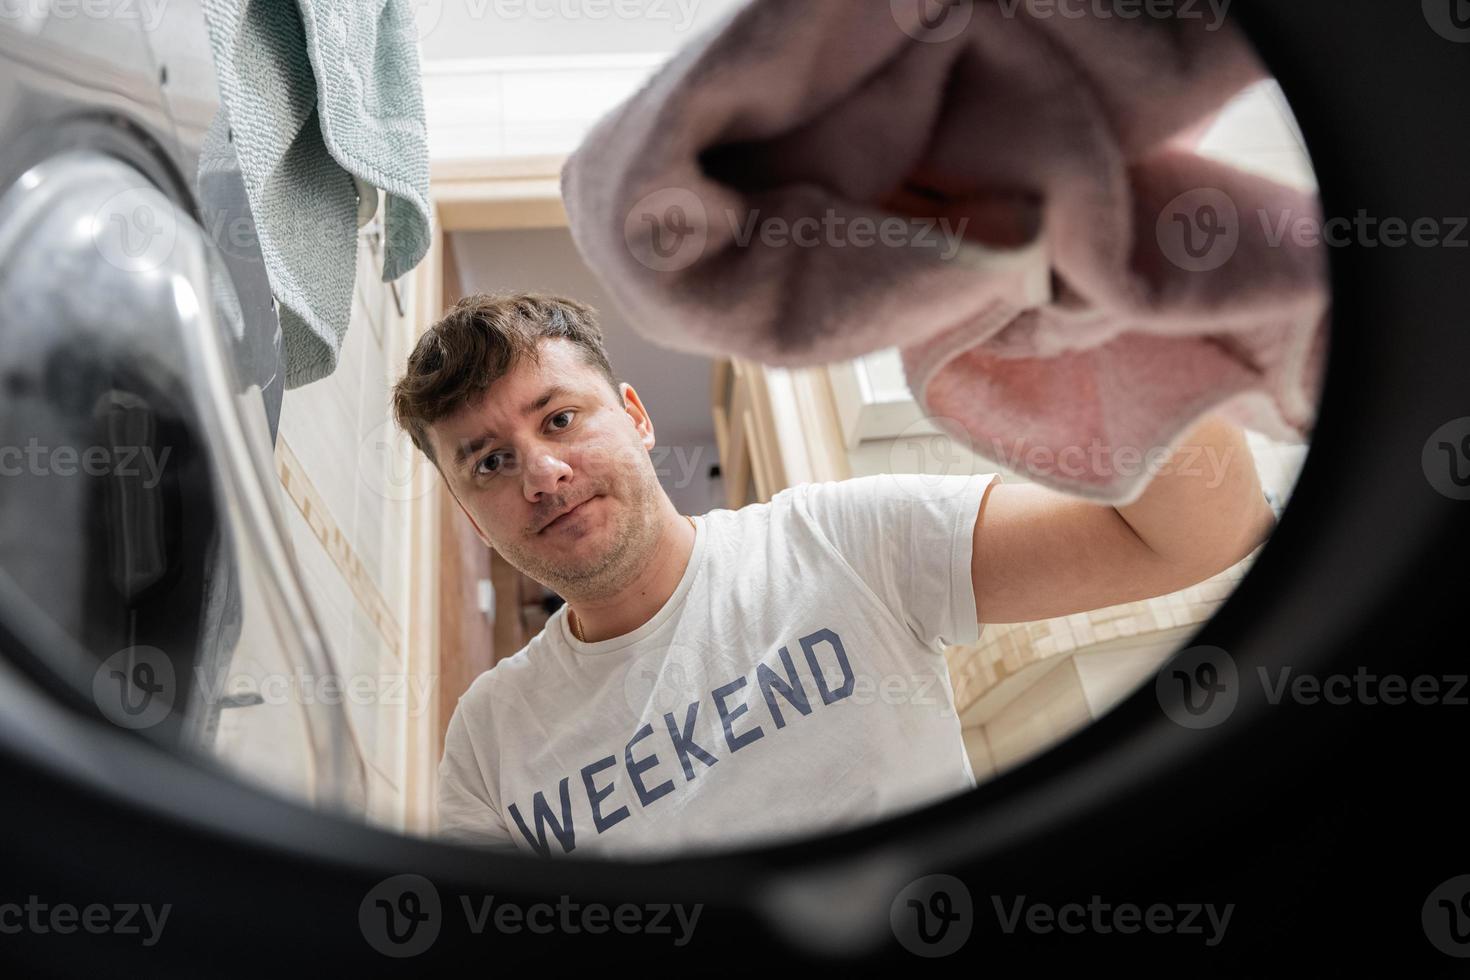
(544, 474)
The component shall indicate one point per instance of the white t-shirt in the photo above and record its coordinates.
(793, 684)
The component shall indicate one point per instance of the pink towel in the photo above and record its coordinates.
(1009, 197)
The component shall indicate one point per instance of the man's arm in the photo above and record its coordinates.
(1039, 553)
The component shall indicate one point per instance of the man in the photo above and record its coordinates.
(743, 676)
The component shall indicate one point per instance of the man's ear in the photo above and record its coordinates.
(633, 405)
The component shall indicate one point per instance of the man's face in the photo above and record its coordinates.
(548, 437)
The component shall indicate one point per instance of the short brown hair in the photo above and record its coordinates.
(477, 343)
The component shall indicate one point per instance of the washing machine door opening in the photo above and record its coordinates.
(141, 554)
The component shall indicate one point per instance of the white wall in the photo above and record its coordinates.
(345, 493)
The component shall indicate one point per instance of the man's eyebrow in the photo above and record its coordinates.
(473, 446)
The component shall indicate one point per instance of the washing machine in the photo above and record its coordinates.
(141, 382)
(141, 538)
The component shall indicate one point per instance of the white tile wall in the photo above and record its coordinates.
(1050, 710)
(347, 514)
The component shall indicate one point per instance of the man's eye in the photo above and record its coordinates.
(490, 465)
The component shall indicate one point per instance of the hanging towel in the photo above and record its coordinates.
(320, 94)
(1071, 286)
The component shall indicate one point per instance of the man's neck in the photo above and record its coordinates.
(640, 600)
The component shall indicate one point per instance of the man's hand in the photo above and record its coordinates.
(1039, 553)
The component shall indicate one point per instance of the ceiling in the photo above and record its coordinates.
(454, 29)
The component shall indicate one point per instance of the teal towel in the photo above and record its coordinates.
(319, 92)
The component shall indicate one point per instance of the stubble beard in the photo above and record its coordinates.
(634, 538)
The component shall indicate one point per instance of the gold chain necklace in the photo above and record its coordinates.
(572, 617)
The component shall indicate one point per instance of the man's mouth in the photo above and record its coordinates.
(567, 516)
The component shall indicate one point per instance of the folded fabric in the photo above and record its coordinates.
(320, 93)
(1009, 197)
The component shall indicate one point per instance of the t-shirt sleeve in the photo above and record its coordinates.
(467, 813)
(910, 538)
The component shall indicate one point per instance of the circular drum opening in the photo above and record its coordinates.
(1286, 808)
